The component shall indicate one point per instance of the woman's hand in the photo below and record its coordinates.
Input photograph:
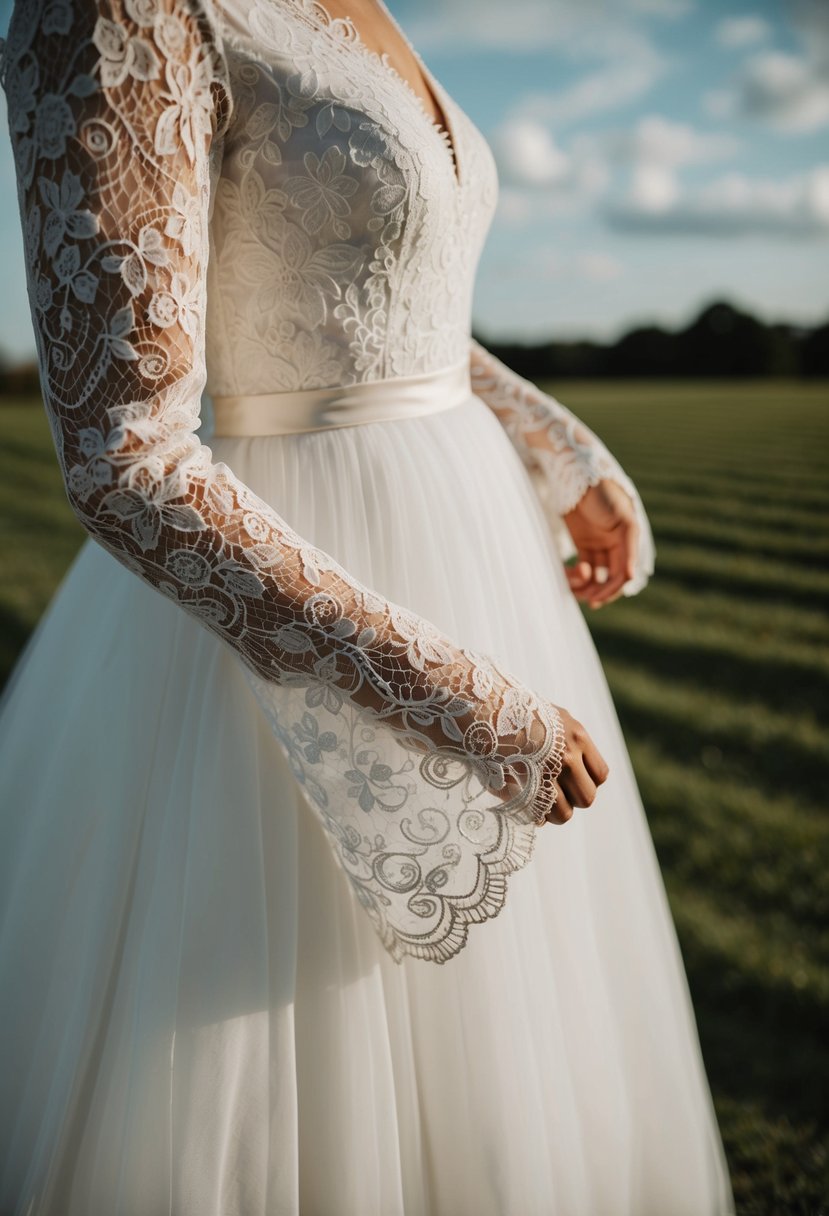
(605, 532)
(584, 769)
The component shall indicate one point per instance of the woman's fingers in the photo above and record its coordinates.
(579, 787)
(595, 763)
(617, 574)
(605, 530)
(562, 809)
(622, 565)
(600, 562)
(576, 787)
(619, 561)
(578, 576)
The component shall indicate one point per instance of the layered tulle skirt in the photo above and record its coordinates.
(199, 1018)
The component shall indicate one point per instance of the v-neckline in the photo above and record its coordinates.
(445, 131)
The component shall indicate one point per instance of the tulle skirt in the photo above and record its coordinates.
(199, 1019)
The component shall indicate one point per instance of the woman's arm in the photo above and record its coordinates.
(116, 111)
(566, 460)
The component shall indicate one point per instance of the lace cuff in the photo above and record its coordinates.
(563, 456)
(420, 836)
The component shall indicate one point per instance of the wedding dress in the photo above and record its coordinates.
(283, 739)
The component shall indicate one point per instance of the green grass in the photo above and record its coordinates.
(39, 535)
(720, 673)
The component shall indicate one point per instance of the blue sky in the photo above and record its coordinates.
(652, 154)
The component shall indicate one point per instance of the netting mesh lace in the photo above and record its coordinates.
(564, 457)
(428, 766)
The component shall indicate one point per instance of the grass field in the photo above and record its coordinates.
(720, 672)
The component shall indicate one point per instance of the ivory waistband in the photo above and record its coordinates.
(316, 409)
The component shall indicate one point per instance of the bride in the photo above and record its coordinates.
(281, 930)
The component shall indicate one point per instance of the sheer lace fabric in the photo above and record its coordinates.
(250, 200)
(563, 456)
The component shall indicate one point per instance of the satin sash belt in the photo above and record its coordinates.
(316, 409)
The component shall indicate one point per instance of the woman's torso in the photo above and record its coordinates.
(344, 238)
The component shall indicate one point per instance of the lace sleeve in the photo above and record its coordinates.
(427, 765)
(564, 457)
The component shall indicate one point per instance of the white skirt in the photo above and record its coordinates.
(199, 1019)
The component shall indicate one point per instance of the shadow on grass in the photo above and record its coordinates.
(787, 686)
(764, 1044)
(789, 765)
(767, 1064)
(745, 544)
(791, 590)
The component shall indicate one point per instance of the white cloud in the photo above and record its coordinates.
(736, 205)
(719, 103)
(530, 25)
(655, 149)
(548, 263)
(600, 267)
(662, 8)
(634, 181)
(595, 266)
(653, 190)
(622, 80)
(734, 33)
(788, 92)
(541, 179)
(515, 207)
(524, 199)
(602, 49)
(527, 154)
(467, 25)
(659, 141)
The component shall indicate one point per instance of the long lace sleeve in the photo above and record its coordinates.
(428, 767)
(563, 456)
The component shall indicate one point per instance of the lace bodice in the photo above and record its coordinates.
(249, 199)
(343, 242)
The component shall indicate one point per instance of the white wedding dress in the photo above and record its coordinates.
(280, 931)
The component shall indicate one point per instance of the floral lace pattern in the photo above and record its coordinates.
(563, 455)
(145, 132)
(335, 254)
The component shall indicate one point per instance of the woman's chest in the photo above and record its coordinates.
(323, 117)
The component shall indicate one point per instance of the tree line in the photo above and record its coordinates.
(721, 341)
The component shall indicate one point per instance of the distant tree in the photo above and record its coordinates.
(20, 380)
(721, 341)
(785, 352)
(814, 352)
(648, 351)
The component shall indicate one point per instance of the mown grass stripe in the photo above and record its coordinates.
(779, 672)
(764, 621)
(742, 538)
(698, 486)
(722, 733)
(750, 946)
(743, 574)
(782, 519)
